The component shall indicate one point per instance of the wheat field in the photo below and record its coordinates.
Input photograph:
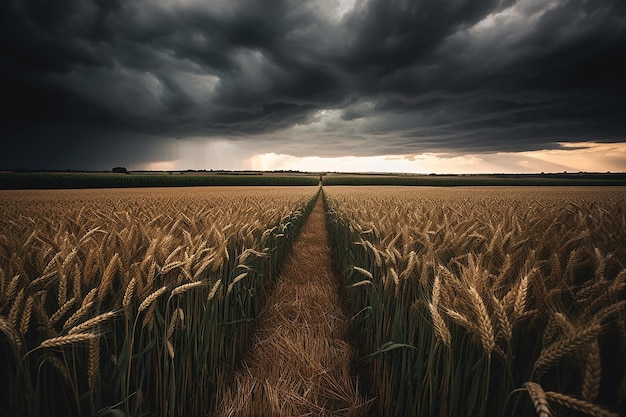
(486, 301)
(477, 301)
(134, 302)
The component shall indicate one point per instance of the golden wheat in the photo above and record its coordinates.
(539, 398)
(579, 405)
(567, 345)
(68, 340)
(70, 261)
(93, 322)
(535, 275)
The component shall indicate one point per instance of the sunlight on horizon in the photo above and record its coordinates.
(570, 157)
(588, 157)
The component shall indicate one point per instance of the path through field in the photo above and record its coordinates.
(300, 362)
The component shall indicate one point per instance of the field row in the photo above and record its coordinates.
(134, 301)
(485, 302)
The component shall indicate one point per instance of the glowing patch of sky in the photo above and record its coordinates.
(227, 155)
(591, 157)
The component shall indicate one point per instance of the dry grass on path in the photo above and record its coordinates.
(299, 362)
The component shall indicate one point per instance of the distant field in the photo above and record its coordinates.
(50, 180)
(476, 180)
(76, 180)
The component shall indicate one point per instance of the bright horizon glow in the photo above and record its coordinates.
(586, 157)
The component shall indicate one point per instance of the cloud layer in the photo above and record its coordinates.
(86, 81)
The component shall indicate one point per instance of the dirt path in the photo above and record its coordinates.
(299, 363)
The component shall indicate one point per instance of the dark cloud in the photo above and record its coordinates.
(383, 77)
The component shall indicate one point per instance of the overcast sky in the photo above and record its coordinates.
(354, 85)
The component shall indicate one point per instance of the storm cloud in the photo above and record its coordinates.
(88, 82)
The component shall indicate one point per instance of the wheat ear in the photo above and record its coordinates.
(504, 324)
(485, 327)
(11, 334)
(74, 318)
(363, 271)
(15, 308)
(592, 372)
(460, 319)
(177, 315)
(128, 293)
(62, 310)
(12, 288)
(520, 299)
(93, 362)
(151, 298)
(567, 345)
(69, 339)
(170, 349)
(26, 313)
(235, 281)
(216, 286)
(579, 405)
(96, 321)
(186, 287)
(360, 283)
(539, 398)
(441, 330)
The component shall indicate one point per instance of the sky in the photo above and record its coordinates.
(424, 86)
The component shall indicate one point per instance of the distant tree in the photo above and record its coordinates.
(120, 170)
